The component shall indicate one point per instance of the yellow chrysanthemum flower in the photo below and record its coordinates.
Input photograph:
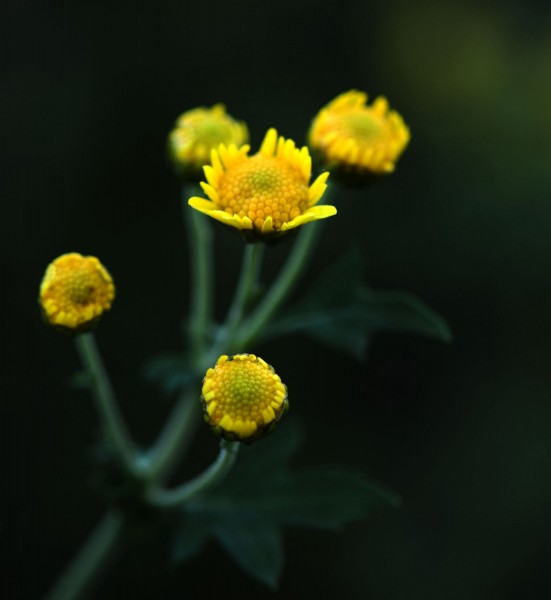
(243, 398)
(266, 194)
(75, 292)
(200, 130)
(351, 136)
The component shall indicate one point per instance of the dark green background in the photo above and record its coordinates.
(461, 432)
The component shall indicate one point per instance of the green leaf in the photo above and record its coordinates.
(272, 454)
(402, 311)
(255, 544)
(171, 371)
(247, 512)
(341, 311)
(318, 497)
(342, 328)
(190, 537)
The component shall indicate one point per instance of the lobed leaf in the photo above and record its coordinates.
(341, 311)
(255, 544)
(247, 512)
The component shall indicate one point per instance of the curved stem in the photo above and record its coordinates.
(282, 285)
(106, 401)
(181, 424)
(91, 559)
(175, 437)
(223, 464)
(200, 246)
(179, 428)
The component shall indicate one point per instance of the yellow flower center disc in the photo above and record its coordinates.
(264, 186)
(213, 131)
(363, 127)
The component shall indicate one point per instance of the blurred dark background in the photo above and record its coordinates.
(461, 432)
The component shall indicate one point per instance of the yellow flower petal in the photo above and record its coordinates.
(317, 188)
(314, 214)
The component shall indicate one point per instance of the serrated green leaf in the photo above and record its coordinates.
(319, 497)
(341, 311)
(272, 454)
(247, 512)
(402, 311)
(342, 328)
(255, 544)
(190, 537)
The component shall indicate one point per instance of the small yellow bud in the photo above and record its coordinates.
(243, 398)
(199, 131)
(75, 291)
(355, 141)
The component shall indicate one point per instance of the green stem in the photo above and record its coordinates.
(173, 498)
(106, 401)
(91, 559)
(282, 286)
(252, 258)
(181, 424)
(175, 437)
(200, 246)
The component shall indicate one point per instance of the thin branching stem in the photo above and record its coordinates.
(281, 287)
(106, 402)
(91, 560)
(248, 279)
(172, 498)
(175, 437)
(182, 422)
(202, 285)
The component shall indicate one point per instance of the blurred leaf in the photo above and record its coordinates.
(318, 497)
(262, 495)
(190, 538)
(255, 544)
(273, 454)
(402, 311)
(171, 371)
(339, 328)
(341, 311)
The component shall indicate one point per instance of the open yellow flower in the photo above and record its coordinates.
(243, 398)
(351, 136)
(266, 194)
(75, 291)
(200, 130)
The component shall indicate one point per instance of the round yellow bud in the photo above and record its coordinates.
(243, 398)
(355, 140)
(75, 292)
(197, 133)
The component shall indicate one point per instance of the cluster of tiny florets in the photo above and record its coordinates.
(264, 187)
(75, 291)
(243, 397)
(266, 194)
(350, 134)
(200, 130)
